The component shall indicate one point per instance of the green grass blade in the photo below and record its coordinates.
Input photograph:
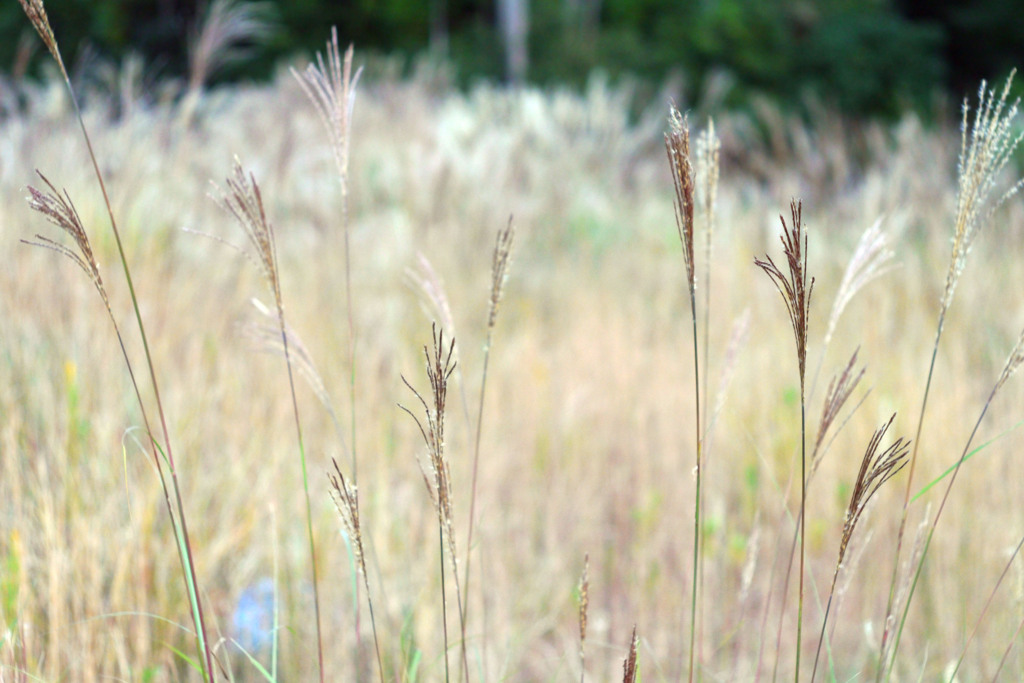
(970, 454)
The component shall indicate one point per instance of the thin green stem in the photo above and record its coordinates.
(305, 485)
(1006, 653)
(824, 621)
(984, 611)
(373, 626)
(697, 499)
(472, 495)
(803, 526)
(444, 599)
(195, 599)
(705, 426)
(462, 616)
(931, 533)
(351, 328)
(883, 667)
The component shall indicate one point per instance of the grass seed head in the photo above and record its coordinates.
(839, 390)
(499, 270)
(987, 144)
(346, 500)
(266, 337)
(875, 469)
(795, 290)
(228, 24)
(331, 87)
(1013, 362)
(440, 366)
(57, 207)
(707, 172)
(244, 201)
(629, 666)
(36, 13)
(677, 145)
(871, 259)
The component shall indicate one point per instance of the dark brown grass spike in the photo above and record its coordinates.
(346, 500)
(58, 208)
(795, 290)
(796, 294)
(36, 13)
(629, 666)
(440, 364)
(875, 469)
(839, 390)
(244, 201)
(677, 145)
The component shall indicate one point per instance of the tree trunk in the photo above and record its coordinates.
(439, 27)
(514, 23)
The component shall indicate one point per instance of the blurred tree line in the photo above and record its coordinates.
(866, 56)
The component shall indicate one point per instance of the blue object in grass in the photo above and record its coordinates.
(253, 620)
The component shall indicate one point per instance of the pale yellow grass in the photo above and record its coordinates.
(587, 443)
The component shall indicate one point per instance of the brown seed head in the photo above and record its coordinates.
(346, 500)
(677, 145)
(440, 366)
(243, 200)
(875, 469)
(58, 209)
(795, 290)
(499, 270)
(36, 14)
(839, 390)
(584, 589)
(629, 667)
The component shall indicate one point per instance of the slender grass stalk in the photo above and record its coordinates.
(36, 13)
(444, 598)
(499, 273)
(346, 499)
(706, 173)
(796, 294)
(984, 610)
(244, 201)
(1013, 363)
(840, 388)
(331, 86)
(986, 146)
(1009, 648)
(440, 366)
(59, 210)
(875, 469)
(275, 641)
(871, 259)
(677, 146)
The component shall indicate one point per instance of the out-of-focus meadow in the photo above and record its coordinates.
(587, 440)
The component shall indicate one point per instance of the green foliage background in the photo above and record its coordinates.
(867, 56)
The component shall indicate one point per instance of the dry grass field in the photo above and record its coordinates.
(587, 445)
